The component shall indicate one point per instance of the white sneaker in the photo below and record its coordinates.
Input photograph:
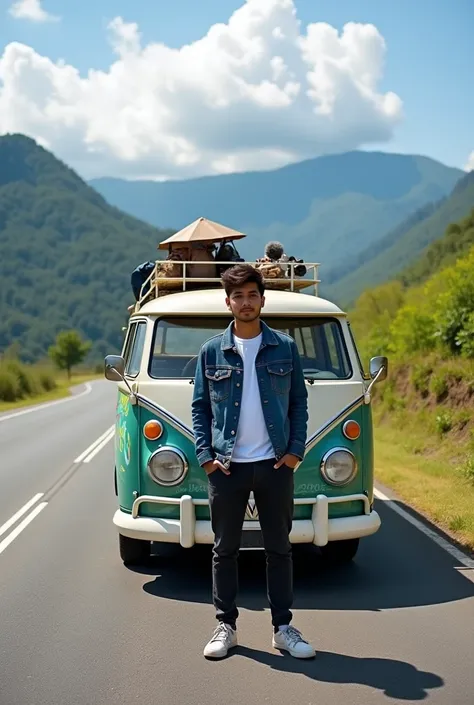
(223, 639)
(290, 639)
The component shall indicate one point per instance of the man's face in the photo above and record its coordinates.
(245, 302)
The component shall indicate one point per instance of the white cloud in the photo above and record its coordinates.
(257, 92)
(31, 10)
(470, 162)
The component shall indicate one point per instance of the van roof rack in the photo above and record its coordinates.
(156, 285)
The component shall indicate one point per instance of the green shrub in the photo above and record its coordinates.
(9, 385)
(439, 386)
(47, 380)
(19, 380)
(27, 380)
(420, 378)
(465, 337)
(444, 423)
(411, 331)
(468, 469)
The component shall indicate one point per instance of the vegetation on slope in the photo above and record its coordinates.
(67, 255)
(424, 411)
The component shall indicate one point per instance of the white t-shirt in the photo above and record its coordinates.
(252, 441)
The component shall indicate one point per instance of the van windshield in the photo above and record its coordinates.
(177, 341)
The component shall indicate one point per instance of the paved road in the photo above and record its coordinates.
(77, 628)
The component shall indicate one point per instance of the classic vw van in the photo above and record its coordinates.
(161, 489)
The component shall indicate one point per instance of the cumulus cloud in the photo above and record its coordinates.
(470, 162)
(31, 10)
(255, 92)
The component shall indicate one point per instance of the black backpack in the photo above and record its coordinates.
(227, 252)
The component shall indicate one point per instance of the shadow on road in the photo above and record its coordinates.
(396, 679)
(398, 567)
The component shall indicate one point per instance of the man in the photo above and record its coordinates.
(250, 418)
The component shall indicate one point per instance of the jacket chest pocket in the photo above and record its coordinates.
(219, 380)
(280, 376)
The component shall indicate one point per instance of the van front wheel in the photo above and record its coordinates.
(133, 551)
(340, 551)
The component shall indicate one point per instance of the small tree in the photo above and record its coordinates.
(69, 350)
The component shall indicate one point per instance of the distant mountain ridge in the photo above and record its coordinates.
(326, 209)
(402, 247)
(67, 255)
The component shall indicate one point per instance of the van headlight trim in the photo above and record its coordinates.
(168, 466)
(338, 466)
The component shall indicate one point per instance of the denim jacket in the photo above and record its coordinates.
(218, 394)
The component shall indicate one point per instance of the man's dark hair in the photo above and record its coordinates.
(241, 274)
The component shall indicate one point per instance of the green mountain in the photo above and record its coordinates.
(400, 248)
(325, 210)
(67, 255)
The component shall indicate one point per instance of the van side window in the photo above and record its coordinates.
(132, 365)
(128, 343)
(365, 375)
(334, 352)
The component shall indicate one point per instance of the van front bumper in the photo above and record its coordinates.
(187, 530)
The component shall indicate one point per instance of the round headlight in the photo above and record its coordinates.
(168, 466)
(338, 466)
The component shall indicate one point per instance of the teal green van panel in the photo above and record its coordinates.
(127, 451)
(308, 479)
(195, 482)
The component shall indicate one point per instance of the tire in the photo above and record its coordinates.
(339, 552)
(133, 551)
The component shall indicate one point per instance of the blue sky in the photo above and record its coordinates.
(428, 64)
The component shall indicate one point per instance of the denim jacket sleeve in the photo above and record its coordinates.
(202, 414)
(298, 408)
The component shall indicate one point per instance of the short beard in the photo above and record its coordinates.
(247, 320)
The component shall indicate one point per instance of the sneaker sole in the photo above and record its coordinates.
(292, 653)
(212, 657)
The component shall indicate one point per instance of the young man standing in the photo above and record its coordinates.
(250, 418)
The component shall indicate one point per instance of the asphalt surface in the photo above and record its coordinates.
(78, 628)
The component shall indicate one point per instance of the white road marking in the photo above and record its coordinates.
(39, 407)
(88, 450)
(85, 457)
(27, 520)
(20, 513)
(439, 540)
(98, 448)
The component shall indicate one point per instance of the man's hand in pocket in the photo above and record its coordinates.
(289, 460)
(214, 465)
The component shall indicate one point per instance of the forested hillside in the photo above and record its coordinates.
(424, 322)
(66, 254)
(400, 248)
(459, 238)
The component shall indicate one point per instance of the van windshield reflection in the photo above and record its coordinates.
(320, 342)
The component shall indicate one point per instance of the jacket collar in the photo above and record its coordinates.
(268, 336)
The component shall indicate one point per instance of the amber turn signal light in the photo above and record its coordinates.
(152, 430)
(351, 430)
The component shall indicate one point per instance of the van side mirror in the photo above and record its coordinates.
(114, 368)
(379, 368)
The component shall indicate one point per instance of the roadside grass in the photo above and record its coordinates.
(424, 444)
(61, 389)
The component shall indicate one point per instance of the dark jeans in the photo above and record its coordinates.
(228, 496)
